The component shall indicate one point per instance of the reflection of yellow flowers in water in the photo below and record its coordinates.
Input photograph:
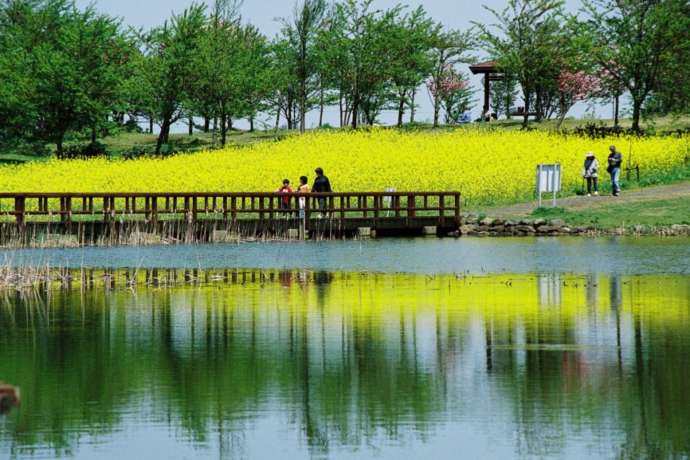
(382, 299)
(486, 166)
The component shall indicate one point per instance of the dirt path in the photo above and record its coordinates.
(583, 202)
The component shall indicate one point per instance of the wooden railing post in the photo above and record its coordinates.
(66, 209)
(411, 206)
(457, 210)
(154, 209)
(106, 209)
(261, 208)
(342, 210)
(20, 209)
(442, 208)
(147, 208)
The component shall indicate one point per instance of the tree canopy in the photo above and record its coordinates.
(71, 73)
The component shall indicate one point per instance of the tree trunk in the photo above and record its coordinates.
(277, 118)
(191, 126)
(539, 108)
(355, 110)
(59, 151)
(163, 136)
(151, 124)
(223, 129)
(525, 119)
(616, 109)
(321, 104)
(637, 112)
(340, 108)
(302, 107)
(94, 131)
(437, 110)
(302, 72)
(563, 111)
(401, 110)
(207, 124)
(251, 124)
(412, 105)
(288, 113)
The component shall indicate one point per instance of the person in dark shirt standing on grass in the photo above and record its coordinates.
(614, 169)
(321, 185)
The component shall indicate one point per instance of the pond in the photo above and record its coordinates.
(407, 349)
(392, 255)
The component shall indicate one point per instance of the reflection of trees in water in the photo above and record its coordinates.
(343, 358)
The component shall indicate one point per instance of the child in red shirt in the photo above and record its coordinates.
(285, 200)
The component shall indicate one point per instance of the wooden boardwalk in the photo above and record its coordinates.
(203, 213)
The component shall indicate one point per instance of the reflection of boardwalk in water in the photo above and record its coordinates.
(354, 359)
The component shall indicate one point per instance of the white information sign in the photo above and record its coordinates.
(548, 180)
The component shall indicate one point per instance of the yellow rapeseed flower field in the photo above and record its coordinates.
(486, 166)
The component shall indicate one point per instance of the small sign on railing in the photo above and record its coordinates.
(548, 180)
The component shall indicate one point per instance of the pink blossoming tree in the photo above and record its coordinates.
(453, 90)
(574, 87)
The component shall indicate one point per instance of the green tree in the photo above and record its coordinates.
(282, 88)
(215, 65)
(503, 95)
(258, 75)
(62, 68)
(138, 98)
(168, 70)
(300, 34)
(639, 42)
(411, 60)
(448, 48)
(360, 41)
(527, 41)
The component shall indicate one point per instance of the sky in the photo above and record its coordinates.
(266, 14)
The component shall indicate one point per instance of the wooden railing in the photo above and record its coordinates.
(152, 207)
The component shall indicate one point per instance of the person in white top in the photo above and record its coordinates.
(303, 188)
(591, 173)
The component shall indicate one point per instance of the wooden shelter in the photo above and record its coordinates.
(491, 73)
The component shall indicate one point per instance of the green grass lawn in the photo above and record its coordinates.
(658, 124)
(124, 143)
(650, 213)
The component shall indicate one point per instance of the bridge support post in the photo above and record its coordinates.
(19, 210)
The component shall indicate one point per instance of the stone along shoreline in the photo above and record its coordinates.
(473, 225)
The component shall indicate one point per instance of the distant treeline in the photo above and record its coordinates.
(67, 72)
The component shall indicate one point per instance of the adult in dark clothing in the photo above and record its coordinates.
(321, 185)
(614, 169)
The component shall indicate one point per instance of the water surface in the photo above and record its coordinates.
(319, 364)
(433, 255)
